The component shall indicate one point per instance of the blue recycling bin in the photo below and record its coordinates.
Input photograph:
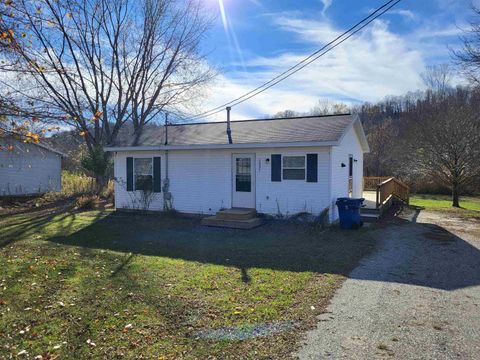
(349, 212)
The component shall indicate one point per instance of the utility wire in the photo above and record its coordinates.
(305, 62)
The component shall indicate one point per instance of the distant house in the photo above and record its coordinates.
(275, 166)
(27, 168)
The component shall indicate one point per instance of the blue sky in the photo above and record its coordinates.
(257, 39)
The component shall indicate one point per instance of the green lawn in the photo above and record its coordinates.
(470, 206)
(107, 285)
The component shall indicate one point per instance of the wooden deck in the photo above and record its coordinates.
(379, 194)
(370, 199)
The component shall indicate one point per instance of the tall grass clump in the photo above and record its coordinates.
(74, 184)
(81, 187)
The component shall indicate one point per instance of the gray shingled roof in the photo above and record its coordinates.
(289, 130)
(44, 144)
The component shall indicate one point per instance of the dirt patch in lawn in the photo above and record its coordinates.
(104, 285)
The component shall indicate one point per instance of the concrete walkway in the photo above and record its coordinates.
(417, 297)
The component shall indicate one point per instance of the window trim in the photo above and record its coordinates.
(304, 168)
(135, 173)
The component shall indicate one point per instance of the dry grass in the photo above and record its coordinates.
(77, 184)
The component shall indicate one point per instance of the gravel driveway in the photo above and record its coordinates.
(417, 297)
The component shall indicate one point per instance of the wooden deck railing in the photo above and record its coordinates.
(392, 187)
(371, 183)
(386, 187)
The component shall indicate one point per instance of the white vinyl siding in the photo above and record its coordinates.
(201, 181)
(349, 146)
(28, 169)
(288, 197)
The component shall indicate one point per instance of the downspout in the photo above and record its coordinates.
(167, 196)
(229, 130)
(166, 143)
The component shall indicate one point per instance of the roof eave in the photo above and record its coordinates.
(222, 146)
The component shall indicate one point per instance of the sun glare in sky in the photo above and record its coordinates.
(223, 14)
(230, 32)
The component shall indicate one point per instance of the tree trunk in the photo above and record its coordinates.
(101, 182)
(455, 196)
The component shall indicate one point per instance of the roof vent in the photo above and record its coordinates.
(229, 130)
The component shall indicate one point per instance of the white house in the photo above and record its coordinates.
(284, 166)
(28, 168)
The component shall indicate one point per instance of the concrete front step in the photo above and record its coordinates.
(232, 224)
(237, 214)
(366, 210)
(369, 217)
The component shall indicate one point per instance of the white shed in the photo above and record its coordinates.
(27, 168)
(275, 166)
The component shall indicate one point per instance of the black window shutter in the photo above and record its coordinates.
(129, 174)
(312, 167)
(276, 160)
(157, 177)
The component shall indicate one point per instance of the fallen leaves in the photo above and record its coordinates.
(26, 330)
(91, 343)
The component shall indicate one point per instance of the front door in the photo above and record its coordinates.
(243, 173)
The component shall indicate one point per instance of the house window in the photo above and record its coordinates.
(243, 178)
(294, 168)
(143, 174)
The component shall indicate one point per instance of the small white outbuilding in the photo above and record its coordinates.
(27, 168)
(275, 166)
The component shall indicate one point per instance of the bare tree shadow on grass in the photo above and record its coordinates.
(287, 247)
(63, 218)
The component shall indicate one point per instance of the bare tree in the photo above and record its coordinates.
(445, 139)
(286, 114)
(438, 77)
(469, 55)
(381, 139)
(96, 64)
(323, 107)
(326, 107)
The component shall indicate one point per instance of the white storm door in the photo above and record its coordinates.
(243, 173)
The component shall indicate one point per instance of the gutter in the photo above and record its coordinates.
(222, 146)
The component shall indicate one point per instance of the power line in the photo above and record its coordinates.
(305, 62)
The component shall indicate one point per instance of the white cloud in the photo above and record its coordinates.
(439, 32)
(405, 13)
(373, 64)
(326, 5)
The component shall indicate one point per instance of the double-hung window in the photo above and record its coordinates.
(143, 174)
(293, 167)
